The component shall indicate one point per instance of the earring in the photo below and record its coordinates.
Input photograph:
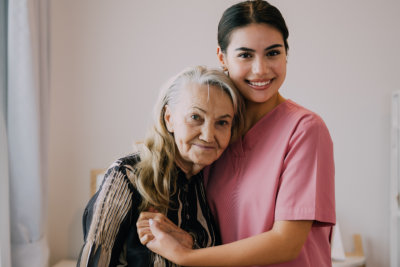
(223, 68)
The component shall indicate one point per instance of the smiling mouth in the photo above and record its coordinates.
(205, 147)
(259, 84)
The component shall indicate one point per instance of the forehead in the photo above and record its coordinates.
(203, 96)
(255, 34)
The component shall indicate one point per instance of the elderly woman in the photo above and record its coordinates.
(197, 113)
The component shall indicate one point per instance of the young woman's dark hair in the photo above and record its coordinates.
(245, 13)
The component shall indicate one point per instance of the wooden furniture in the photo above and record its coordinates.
(65, 263)
(96, 177)
(355, 258)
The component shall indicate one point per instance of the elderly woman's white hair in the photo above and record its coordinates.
(155, 171)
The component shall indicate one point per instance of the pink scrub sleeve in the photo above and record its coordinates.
(306, 186)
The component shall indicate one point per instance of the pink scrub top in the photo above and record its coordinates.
(282, 169)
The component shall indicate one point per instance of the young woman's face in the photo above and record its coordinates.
(201, 122)
(256, 61)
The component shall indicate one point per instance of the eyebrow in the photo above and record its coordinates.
(252, 50)
(220, 117)
(225, 116)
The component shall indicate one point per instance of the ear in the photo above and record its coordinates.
(168, 119)
(221, 57)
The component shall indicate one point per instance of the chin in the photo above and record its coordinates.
(203, 162)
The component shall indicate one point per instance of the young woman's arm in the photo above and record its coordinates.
(282, 243)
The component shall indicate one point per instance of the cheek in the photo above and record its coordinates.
(181, 144)
(280, 68)
(238, 77)
(184, 134)
(237, 68)
(223, 139)
(238, 71)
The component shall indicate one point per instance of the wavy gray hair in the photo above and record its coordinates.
(156, 169)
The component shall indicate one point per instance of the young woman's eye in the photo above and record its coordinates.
(273, 53)
(244, 55)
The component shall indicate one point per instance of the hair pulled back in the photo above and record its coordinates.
(248, 12)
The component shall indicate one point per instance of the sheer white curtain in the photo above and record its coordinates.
(5, 259)
(5, 255)
(25, 116)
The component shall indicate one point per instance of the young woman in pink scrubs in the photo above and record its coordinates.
(272, 191)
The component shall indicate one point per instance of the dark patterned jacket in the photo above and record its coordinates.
(109, 220)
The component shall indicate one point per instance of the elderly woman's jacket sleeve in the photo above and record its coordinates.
(109, 222)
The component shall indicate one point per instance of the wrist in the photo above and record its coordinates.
(195, 243)
(184, 255)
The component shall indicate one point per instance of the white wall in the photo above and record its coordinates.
(110, 57)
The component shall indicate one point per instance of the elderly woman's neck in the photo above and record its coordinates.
(189, 168)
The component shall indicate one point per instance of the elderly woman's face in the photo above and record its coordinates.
(201, 122)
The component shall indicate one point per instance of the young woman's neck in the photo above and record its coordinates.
(255, 111)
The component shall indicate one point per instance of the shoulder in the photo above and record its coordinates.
(109, 214)
(303, 118)
(117, 189)
(303, 125)
(128, 161)
(301, 113)
(124, 168)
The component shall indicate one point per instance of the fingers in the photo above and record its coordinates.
(142, 223)
(166, 223)
(145, 239)
(164, 226)
(156, 234)
(143, 226)
(143, 231)
(146, 215)
(164, 244)
(155, 228)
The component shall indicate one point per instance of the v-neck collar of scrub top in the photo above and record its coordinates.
(252, 137)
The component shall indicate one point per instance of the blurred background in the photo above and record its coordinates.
(109, 58)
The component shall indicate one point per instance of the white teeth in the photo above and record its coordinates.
(260, 83)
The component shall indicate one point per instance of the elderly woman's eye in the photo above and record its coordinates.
(195, 117)
(223, 123)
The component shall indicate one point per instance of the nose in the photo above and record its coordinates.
(207, 133)
(260, 66)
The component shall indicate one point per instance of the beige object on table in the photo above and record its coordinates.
(65, 263)
(355, 258)
(96, 177)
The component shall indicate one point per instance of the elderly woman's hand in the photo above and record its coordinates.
(167, 246)
(165, 225)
